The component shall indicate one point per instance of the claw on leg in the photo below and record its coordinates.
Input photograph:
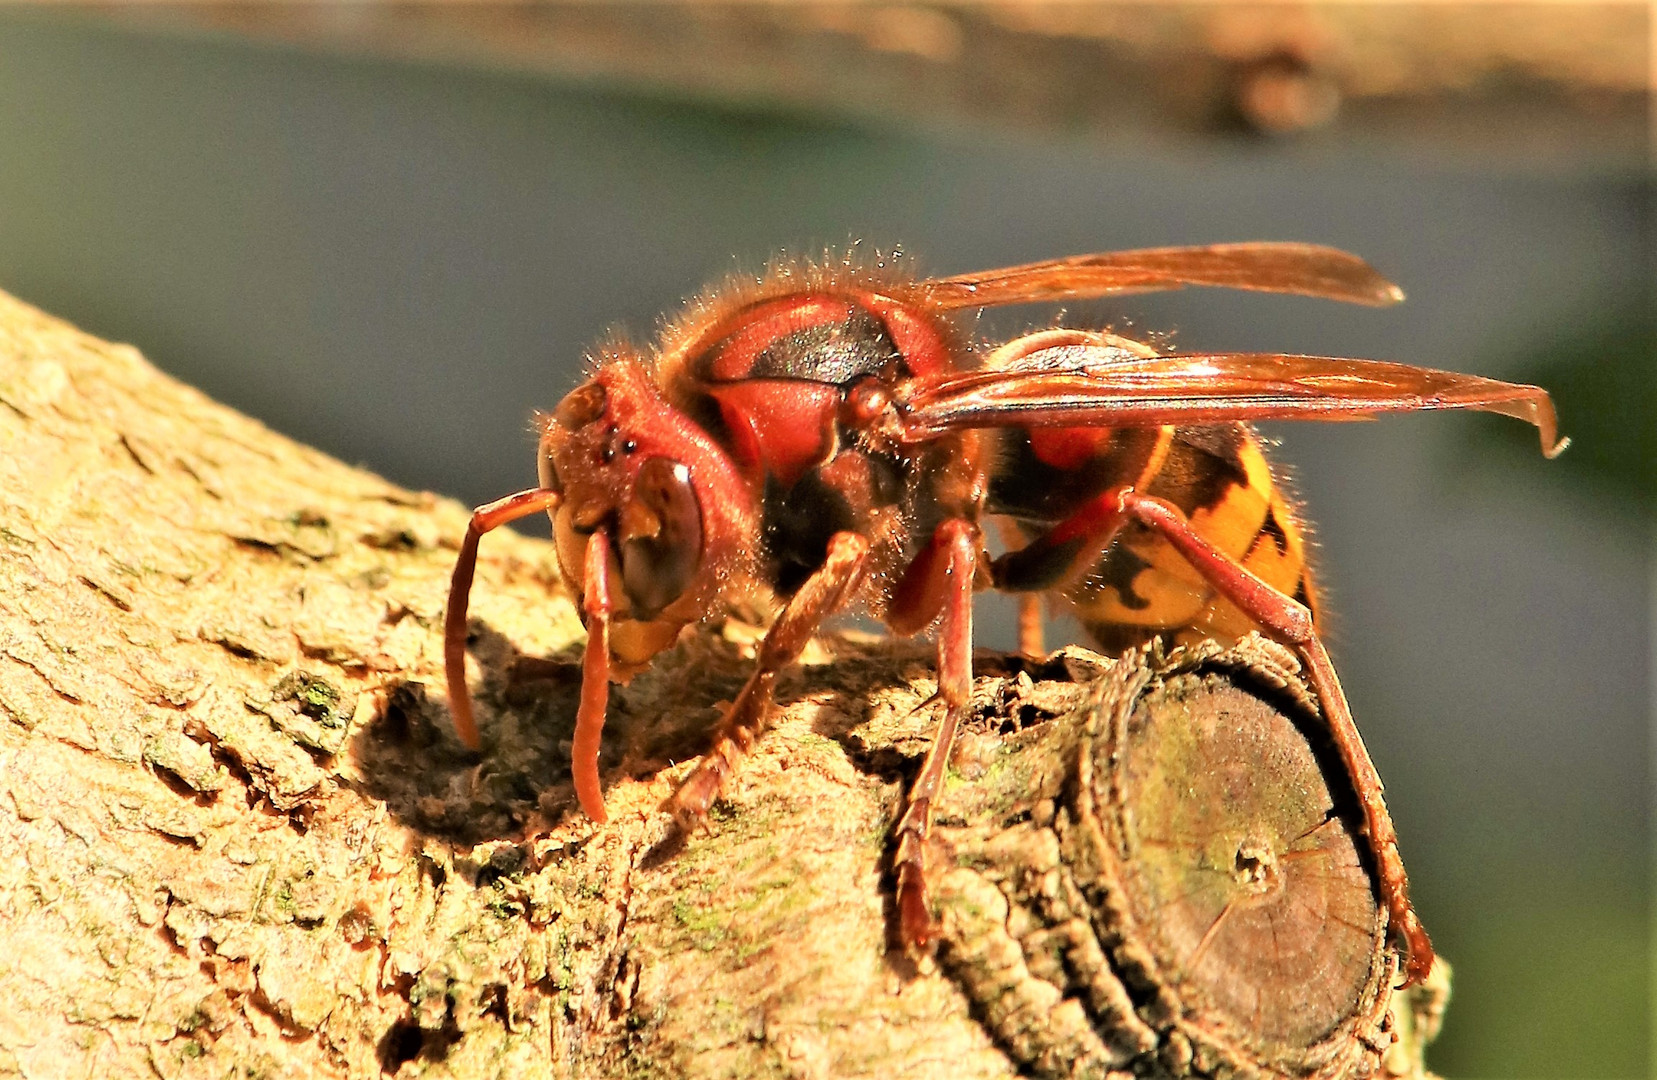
(914, 910)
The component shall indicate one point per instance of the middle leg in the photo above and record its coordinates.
(823, 593)
(1032, 637)
(939, 581)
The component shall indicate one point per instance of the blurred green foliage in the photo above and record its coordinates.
(1552, 949)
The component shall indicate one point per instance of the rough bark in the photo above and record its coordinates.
(237, 836)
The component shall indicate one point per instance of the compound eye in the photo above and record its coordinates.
(546, 468)
(660, 537)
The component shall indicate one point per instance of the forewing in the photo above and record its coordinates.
(1304, 269)
(1092, 385)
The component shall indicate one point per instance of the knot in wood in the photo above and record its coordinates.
(1256, 868)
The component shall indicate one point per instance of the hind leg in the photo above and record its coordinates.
(1291, 623)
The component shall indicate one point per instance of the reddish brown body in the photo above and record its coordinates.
(827, 438)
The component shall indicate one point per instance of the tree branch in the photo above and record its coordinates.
(239, 836)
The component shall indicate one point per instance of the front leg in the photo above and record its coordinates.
(823, 593)
(940, 580)
(484, 519)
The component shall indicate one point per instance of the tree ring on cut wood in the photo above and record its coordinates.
(1231, 840)
(1188, 892)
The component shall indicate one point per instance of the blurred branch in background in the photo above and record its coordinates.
(1527, 78)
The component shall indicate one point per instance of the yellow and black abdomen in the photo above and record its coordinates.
(1140, 586)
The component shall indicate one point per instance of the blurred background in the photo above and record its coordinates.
(391, 230)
